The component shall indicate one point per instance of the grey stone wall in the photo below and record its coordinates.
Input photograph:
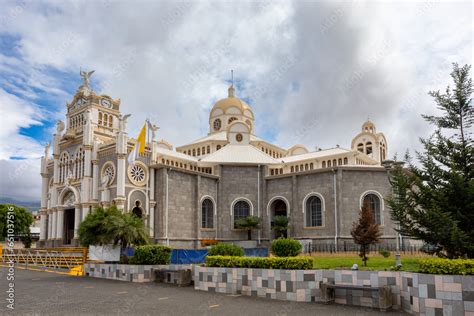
(345, 185)
(235, 182)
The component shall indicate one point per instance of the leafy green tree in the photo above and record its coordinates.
(280, 225)
(434, 200)
(248, 223)
(22, 220)
(365, 231)
(109, 225)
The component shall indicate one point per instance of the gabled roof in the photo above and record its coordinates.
(239, 154)
(316, 154)
(219, 136)
(172, 153)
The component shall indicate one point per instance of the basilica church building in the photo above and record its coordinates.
(198, 190)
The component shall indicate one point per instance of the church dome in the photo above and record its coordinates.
(231, 101)
(228, 110)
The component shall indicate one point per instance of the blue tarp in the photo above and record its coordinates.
(187, 256)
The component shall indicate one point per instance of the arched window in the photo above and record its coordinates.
(329, 163)
(110, 121)
(218, 147)
(207, 213)
(194, 152)
(208, 149)
(311, 166)
(292, 169)
(360, 147)
(314, 211)
(324, 164)
(339, 162)
(368, 148)
(297, 168)
(373, 203)
(241, 210)
(334, 162)
(346, 161)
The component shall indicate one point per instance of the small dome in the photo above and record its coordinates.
(368, 127)
(231, 101)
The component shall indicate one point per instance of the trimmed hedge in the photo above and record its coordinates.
(447, 266)
(286, 247)
(151, 254)
(226, 250)
(289, 263)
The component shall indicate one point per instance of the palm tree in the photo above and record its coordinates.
(127, 229)
(280, 225)
(104, 226)
(248, 223)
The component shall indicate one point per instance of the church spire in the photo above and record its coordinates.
(231, 88)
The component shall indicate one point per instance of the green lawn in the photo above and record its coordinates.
(375, 262)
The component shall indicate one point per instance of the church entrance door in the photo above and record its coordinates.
(68, 226)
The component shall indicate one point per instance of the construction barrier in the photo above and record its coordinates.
(69, 260)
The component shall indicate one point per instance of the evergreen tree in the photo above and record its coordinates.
(365, 231)
(434, 200)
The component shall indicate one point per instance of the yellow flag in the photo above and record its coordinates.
(141, 140)
(139, 146)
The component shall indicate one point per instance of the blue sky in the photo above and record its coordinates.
(312, 71)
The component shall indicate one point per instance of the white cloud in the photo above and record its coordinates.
(313, 70)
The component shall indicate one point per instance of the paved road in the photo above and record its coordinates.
(53, 294)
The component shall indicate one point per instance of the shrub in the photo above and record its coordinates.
(447, 266)
(226, 250)
(151, 254)
(291, 263)
(384, 253)
(286, 247)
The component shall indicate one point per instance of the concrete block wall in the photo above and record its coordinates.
(128, 272)
(415, 293)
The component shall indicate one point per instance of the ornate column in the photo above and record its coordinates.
(43, 226)
(151, 207)
(121, 171)
(54, 225)
(77, 219)
(95, 180)
(50, 225)
(60, 224)
(85, 211)
(121, 150)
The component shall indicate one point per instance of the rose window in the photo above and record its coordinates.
(137, 174)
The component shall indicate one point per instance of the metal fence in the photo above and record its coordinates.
(349, 247)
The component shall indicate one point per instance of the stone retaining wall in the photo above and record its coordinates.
(128, 272)
(415, 293)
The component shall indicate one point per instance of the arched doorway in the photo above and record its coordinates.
(68, 202)
(278, 208)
